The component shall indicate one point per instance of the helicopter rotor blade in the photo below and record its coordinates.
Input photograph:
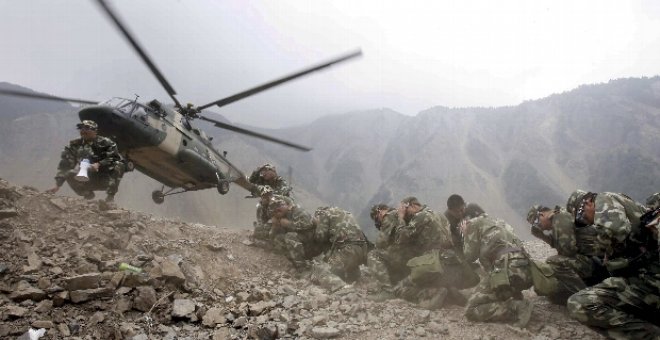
(254, 134)
(45, 96)
(161, 78)
(266, 86)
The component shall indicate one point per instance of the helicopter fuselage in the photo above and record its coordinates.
(163, 144)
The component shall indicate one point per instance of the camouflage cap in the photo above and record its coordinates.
(267, 166)
(411, 200)
(88, 124)
(473, 210)
(653, 201)
(575, 200)
(532, 213)
(376, 208)
(277, 201)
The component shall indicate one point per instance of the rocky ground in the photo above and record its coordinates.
(59, 270)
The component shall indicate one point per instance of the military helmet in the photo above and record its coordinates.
(653, 201)
(575, 200)
(267, 166)
(87, 124)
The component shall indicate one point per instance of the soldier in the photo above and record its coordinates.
(627, 305)
(344, 248)
(576, 246)
(455, 213)
(653, 201)
(292, 229)
(267, 175)
(262, 225)
(384, 263)
(424, 238)
(106, 167)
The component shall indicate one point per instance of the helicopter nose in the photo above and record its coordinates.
(102, 115)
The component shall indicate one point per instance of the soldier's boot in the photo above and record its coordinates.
(434, 301)
(455, 297)
(523, 312)
(88, 195)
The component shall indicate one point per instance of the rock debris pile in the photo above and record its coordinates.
(63, 268)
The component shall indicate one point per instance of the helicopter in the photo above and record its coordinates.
(161, 141)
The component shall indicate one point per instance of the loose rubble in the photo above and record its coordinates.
(59, 271)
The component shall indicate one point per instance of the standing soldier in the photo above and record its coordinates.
(266, 175)
(344, 248)
(105, 169)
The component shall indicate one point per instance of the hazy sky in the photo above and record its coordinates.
(417, 54)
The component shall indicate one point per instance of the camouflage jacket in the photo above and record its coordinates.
(426, 230)
(300, 220)
(456, 235)
(279, 184)
(102, 150)
(386, 234)
(336, 227)
(570, 240)
(615, 217)
(485, 237)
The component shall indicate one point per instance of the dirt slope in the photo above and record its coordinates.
(59, 270)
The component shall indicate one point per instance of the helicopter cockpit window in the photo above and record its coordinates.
(122, 105)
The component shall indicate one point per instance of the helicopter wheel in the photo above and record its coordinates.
(223, 187)
(130, 166)
(158, 197)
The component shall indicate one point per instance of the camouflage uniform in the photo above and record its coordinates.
(279, 184)
(575, 247)
(615, 218)
(344, 248)
(296, 239)
(101, 150)
(262, 225)
(387, 263)
(626, 306)
(498, 297)
(425, 240)
(456, 236)
(653, 201)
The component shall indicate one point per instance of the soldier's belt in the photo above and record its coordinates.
(506, 250)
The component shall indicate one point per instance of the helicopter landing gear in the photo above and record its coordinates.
(158, 196)
(223, 184)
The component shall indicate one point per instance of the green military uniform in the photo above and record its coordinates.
(626, 306)
(101, 150)
(457, 237)
(498, 296)
(344, 248)
(262, 225)
(386, 262)
(296, 240)
(616, 216)
(575, 248)
(278, 184)
(425, 240)
(653, 201)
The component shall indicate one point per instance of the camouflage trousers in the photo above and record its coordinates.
(625, 308)
(291, 245)
(499, 294)
(431, 275)
(107, 179)
(582, 265)
(261, 231)
(340, 266)
(565, 272)
(385, 267)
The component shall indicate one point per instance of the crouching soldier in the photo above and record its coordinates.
(292, 231)
(344, 248)
(498, 298)
(105, 165)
